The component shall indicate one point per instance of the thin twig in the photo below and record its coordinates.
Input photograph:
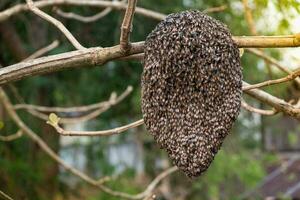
(43, 50)
(84, 19)
(96, 109)
(278, 104)
(126, 27)
(5, 196)
(98, 183)
(56, 23)
(215, 9)
(112, 101)
(113, 131)
(289, 77)
(273, 62)
(12, 137)
(257, 110)
(6, 14)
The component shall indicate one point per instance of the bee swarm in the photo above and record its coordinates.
(191, 88)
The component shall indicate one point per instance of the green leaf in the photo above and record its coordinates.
(241, 52)
(53, 119)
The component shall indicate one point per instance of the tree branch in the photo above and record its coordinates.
(5, 196)
(289, 77)
(82, 58)
(6, 14)
(43, 50)
(126, 27)
(12, 137)
(84, 19)
(256, 110)
(56, 23)
(98, 56)
(278, 104)
(97, 109)
(98, 183)
(109, 132)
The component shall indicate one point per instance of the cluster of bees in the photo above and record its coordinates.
(191, 88)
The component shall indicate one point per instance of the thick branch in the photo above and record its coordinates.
(81, 58)
(97, 56)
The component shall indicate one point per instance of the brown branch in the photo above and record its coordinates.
(98, 56)
(126, 27)
(6, 14)
(289, 77)
(113, 131)
(12, 137)
(87, 57)
(75, 109)
(98, 183)
(257, 110)
(43, 50)
(267, 41)
(56, 23)
(5, 196)
(98, 109)
(278, 104)
(27, 131)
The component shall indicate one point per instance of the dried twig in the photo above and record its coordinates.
(113, 131)
(84, 19)
(5, 196)
(43, 50)
(126, 27)
(12, 137)
(289, 77)
(6, 14)
(257, 110)
(278, 104)
(98, 183)
(56, 23)
(96, 109)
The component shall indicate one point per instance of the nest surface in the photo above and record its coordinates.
(191, 88)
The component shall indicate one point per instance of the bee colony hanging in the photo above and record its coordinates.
(191, 88)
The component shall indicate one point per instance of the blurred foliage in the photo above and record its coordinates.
(238, 167)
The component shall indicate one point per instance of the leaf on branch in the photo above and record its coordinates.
(1, 125)
(241, 51)
(53, 119)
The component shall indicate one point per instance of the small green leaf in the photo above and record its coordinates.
(1, 125)
(53, 119)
